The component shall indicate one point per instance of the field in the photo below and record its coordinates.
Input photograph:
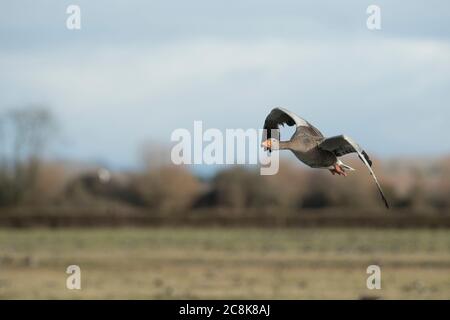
(167, 263)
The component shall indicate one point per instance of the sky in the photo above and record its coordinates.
(137, 70)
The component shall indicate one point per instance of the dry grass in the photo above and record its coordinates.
(224, 263)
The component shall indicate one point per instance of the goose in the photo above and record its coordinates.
(310, 146)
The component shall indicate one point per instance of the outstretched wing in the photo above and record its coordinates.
(341, 145)
(280, 116)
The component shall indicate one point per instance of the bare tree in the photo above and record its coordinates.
(25, 134)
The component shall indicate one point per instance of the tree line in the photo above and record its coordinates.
(27, 178)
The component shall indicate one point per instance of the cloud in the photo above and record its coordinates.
(88, 76)
(112, 96)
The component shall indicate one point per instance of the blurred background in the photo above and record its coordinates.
(85, 172)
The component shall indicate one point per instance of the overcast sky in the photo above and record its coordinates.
(137, 70)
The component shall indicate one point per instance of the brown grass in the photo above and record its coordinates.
(224, 263)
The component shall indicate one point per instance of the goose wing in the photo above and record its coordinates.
(281, 116)
(341, 145)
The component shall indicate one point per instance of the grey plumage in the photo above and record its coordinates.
(311, 147)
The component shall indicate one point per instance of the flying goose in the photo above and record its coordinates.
(311, 147)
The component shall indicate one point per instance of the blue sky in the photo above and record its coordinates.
(137, 70)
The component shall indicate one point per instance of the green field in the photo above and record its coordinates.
(171, 263)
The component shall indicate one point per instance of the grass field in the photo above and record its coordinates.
(224, 263)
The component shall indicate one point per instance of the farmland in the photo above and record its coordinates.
(169, 263)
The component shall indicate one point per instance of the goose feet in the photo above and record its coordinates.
(338, 170)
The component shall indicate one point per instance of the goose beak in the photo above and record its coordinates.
(267, 144)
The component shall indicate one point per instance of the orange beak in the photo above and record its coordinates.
(267, 144)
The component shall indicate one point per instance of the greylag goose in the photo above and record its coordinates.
(311, 147)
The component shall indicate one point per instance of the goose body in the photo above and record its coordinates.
(305, 149)
(310, 146)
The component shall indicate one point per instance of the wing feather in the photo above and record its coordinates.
(281, 116)
(341, 145)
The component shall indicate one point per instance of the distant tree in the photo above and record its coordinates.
(439, 194)
(167, 188)
(242, 188)
(24, 136)
(161, 185)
